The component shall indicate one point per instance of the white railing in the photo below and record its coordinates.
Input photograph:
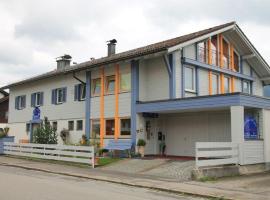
(216, 153)
(80, 154)
(252, 152)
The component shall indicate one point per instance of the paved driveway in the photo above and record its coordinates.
(179, 170)
(21, 184)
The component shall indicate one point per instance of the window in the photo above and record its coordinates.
(125, 126)
(79, 125)
(70, 125)
(37, 99)
(202, 51)
(236, 61)
(226, 84)
(83, 92)
(54, 125)
(225, 57)
(80, 92)
(246, 87)
(20, 102)
(96, 87)
(110, 127)
(95, 128)
(125, 82)
(59, 95)
(189, 79)
(214, 57)
(110, 84)
(215, 84)
(28, 127)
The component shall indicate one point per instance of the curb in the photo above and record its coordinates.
(117, 182)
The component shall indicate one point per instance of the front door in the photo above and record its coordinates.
(151, 126)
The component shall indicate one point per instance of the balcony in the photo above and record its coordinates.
(203, 56)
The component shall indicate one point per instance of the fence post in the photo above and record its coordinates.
(93, 156)
(196, 155)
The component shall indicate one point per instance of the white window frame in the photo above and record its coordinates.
(218, 83)
(229, 84)
(83, 88)
(249, 87)
(20, 106)
(57, 95)
(37, 103)
(193, 90)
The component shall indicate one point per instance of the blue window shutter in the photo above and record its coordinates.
(16, 103)
(76, 91)
(64, 94)
(41, 98)
(33, 99)
(54, 96)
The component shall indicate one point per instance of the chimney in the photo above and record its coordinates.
(111, 46)
(63, 62)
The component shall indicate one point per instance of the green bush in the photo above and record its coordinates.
(141, 143)
(4, 132)
(45, 133)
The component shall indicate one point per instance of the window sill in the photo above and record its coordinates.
(190, 91)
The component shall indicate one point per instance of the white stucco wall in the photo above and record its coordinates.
(154, 80)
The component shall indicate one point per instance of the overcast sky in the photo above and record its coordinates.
(34, 32)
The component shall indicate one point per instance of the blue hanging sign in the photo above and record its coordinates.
(250, 128)
(36, 114)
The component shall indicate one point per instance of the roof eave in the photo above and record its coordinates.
(189, 42)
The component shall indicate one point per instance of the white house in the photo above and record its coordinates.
(204, 86)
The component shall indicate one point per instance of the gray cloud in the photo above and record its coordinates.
(34, 32)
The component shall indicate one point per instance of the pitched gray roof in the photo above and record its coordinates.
(149, 49)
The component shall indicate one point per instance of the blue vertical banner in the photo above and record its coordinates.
(251, 128)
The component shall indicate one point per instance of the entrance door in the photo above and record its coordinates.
(151, 147)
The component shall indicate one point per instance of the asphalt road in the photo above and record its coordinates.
(20, 184)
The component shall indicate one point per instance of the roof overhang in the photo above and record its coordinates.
(180, 46)
(236, 35)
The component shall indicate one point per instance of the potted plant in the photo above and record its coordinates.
(83, 140)
(141, 146)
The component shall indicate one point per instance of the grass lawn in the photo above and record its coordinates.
(107, 161)
(102, 161)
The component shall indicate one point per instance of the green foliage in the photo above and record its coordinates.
(101, 151)
(4, 132)
(207, 178)
(64, 134)
(107, 161)
(45, 133)
(141, 143)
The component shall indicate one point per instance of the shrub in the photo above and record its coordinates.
(141, 143)
(45, 133)
(4, 132)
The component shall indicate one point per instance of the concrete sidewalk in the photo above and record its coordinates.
(213, 189)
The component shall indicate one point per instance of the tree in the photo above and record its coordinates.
(45, 133)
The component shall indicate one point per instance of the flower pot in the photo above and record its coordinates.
(141, 150)
(96, 160)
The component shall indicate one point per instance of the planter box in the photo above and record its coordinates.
(5, 139)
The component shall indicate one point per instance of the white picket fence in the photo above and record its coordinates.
(79, 154)
(216, 153)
